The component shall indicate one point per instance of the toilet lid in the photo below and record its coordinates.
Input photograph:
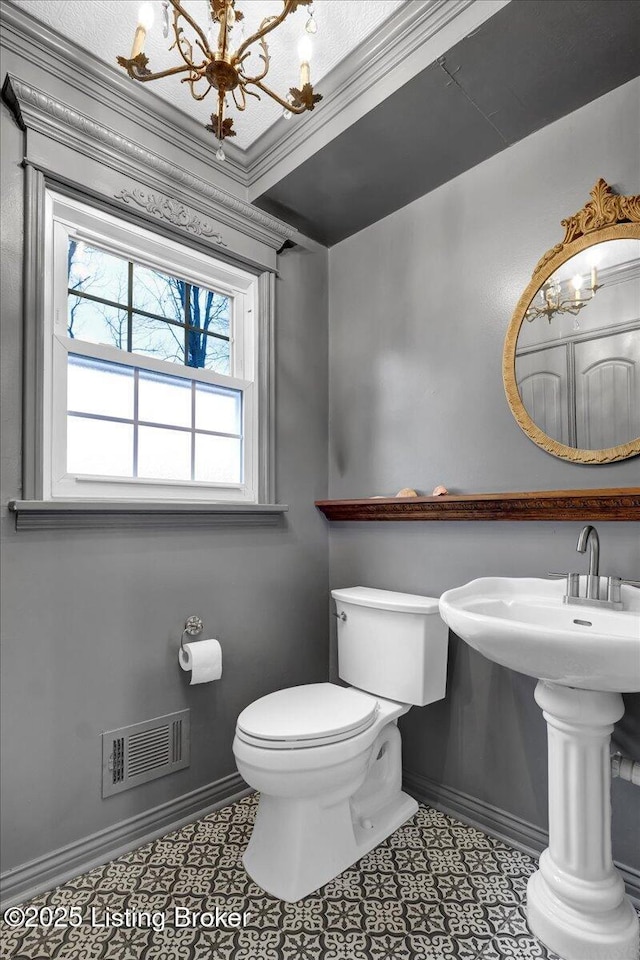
(307, 715)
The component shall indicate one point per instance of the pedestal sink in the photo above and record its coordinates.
(584, 657)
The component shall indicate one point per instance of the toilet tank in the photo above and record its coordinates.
(392, 644)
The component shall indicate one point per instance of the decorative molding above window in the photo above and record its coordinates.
(171, 210)
(38, 111)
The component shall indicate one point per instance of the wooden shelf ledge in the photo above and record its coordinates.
(607, 504)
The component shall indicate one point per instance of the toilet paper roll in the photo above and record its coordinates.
(203, 658)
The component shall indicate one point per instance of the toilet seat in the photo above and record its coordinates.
(306, 716)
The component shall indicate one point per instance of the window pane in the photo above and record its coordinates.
(96, 272)
(211, 311)
(218, 356)
(218, 409)
(218, 459)
(154, 338)
(96, 322)
(164, 454)
(158, 293)
(164, 399)
(99, 447)
(95, 386)
(209, 352)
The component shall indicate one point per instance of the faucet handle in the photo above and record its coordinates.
(573, 582)
(614, 585)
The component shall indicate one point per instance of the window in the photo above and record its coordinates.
(150, 360)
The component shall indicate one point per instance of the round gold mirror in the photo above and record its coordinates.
(571, 363)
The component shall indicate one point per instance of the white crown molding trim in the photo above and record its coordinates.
(83, 71)
(38, 111)
(66, 863)
(408, 42)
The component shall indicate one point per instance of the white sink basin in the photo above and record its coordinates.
(524, 624)
(584, 657)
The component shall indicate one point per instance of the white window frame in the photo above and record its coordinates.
(66, 217)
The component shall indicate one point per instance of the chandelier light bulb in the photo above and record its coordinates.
(145, 16)
(305, 49)
(165, 19)
(577, 285)
(594, 262)
(145, 22)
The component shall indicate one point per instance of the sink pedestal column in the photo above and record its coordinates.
(576, 902)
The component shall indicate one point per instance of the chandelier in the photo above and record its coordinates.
(220, 57)
(556, 300)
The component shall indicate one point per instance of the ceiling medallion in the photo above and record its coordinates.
(220, 57)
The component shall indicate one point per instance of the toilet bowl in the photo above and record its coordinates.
(326, 759)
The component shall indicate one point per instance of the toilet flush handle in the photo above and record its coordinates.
(341, 616)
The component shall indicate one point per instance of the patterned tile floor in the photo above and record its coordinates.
(435, 890)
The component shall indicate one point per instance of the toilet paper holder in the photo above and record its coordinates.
(192, 626)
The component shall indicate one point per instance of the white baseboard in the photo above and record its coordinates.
(52, 869)
(496, 822)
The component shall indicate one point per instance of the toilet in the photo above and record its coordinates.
(325, 758)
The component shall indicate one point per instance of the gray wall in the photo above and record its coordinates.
(419, 305)
(92, 619)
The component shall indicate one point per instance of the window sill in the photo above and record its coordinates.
(114, 514)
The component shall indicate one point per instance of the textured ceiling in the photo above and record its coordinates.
(106, 28)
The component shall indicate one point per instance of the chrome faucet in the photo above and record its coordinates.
(589, 537)
(605, 594)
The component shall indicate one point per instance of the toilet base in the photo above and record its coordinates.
(297, 845)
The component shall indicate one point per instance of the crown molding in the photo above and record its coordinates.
(411, 39)
(60, 57)
(38, 111)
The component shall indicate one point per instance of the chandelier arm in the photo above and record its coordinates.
(564, 307)
(266, 59)
(267, 25)
(186, 56)
(180, 39)
(193, 80)
(240, 104)
(145, 77)
(274, 96)
(179, 11)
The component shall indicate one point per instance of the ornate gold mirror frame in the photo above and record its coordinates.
(605, 217)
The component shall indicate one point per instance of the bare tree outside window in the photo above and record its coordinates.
(142, 310)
